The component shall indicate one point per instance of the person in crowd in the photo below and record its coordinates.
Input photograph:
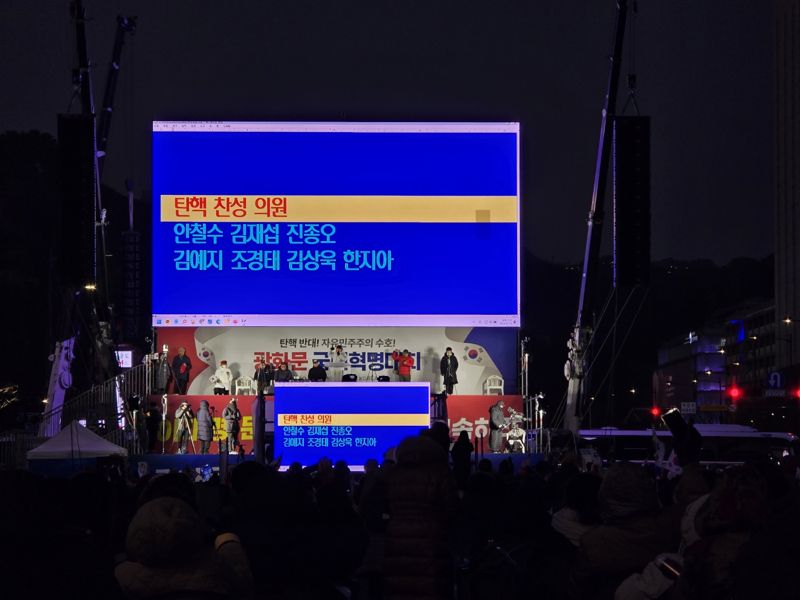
(716, 528)
(232, 417)
(462, 459)
(169, 554)
(405, 362)
(439, 432)
(263, 376)
(628, 538)
(317, 372)
(162, 373)
(496, 422)
(422, 501)
(205, 427)
(181, 367)
(580, 511)
(338, 362)
(283, 373)
(448, 368)
(184, 418)
(222, 379)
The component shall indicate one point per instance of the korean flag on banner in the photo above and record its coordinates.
(474, 355)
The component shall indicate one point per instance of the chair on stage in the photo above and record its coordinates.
(383, 378)
(245, 384)
(493, 385)
(350, 377)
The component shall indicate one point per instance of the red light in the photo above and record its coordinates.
(735, 393)
(796, 393)
(656, 412)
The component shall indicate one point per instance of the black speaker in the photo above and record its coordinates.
(76, 157)
(631, 189)
(132, 295)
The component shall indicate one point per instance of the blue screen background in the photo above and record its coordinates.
(439, 268)
(327, 399)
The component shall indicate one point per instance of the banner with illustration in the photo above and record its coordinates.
(481, 353)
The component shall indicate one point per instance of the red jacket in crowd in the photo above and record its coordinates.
(404, 363)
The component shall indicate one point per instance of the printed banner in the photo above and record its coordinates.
(471, 414)
(465, 413)
(216, 404)
(481, 353)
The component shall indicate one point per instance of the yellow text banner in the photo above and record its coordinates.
(343, 420)
(340, 209)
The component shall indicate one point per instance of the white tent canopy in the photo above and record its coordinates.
(75, 441)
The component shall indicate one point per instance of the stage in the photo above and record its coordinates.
(203, 465)
(469, 413)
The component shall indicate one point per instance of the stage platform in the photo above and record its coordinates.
(199, 463)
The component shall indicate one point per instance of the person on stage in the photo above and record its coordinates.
(205, 427)
(405, 362)
(232, 418)
(184, 417)
(496, 422)
(162, 373)
(263, 377)
(316, 372)
(181, 366)
(448, 367)
(283, 373)
(338, 362)
(222, 379)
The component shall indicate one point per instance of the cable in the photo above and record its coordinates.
(558, 416)
(622, 345)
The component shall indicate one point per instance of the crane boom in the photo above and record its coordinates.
(574, 370)
(124, 25)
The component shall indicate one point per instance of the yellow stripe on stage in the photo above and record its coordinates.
(339, 209)
(363, 420)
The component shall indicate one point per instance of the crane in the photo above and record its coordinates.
(575, 367)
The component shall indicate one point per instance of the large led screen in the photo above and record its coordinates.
(346, 421)
(327, 224)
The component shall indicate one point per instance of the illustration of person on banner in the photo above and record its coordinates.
(497, 421)
(448, 367)
(405, 362)
(222, 379)
(232, 417)
(181, 366)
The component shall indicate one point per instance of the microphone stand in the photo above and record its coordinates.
(163, 423)
(185, 421)
(214, 432)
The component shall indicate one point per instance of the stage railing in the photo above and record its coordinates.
(101, 408)
(14, 446)
(134, 444)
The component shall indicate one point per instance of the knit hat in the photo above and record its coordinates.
(626, 490)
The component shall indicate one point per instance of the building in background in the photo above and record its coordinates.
(728, 372)
(766, 394)
(691, 375)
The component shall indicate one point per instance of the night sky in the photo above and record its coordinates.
(705, 76)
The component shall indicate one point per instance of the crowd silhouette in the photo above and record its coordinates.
(425, 523)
